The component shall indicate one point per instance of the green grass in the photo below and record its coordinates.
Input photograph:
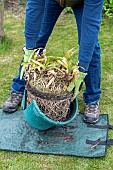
(63, 38)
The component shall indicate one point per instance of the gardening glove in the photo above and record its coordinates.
(28, 54)
(76, 85)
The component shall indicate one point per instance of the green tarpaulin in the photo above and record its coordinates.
(76, 139)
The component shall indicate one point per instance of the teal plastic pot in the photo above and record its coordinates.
(24, 100)
(37, 119)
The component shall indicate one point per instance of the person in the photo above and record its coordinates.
(33, 19)
(88, 18)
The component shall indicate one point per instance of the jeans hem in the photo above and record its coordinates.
(17, 91)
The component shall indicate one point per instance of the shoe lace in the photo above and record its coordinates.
(93, 108)
(14, 96)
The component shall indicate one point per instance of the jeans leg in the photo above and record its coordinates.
(51, 13)
(92, 93)
(18, 85)
(91, 19)
(90, 49)
(78, 12)
(34, 15)
(92, 81)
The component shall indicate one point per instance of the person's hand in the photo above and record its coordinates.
(76, 85)
(28, 54)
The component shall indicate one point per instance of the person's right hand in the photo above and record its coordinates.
(76, 85)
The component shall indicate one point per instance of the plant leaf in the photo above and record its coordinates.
(38, 63)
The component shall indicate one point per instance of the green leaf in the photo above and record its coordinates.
(71, 85)
(22, 71)
(39, 64)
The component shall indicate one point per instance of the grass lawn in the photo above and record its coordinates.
(63, 38)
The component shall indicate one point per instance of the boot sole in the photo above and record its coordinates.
(9, 110)
(91, 122)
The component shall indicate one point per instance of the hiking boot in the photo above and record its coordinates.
(92, 113)
(13, 102)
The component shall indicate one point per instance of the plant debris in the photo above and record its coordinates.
(51, 75)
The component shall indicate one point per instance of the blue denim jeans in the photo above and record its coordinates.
(88, 18)
(34, 15)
